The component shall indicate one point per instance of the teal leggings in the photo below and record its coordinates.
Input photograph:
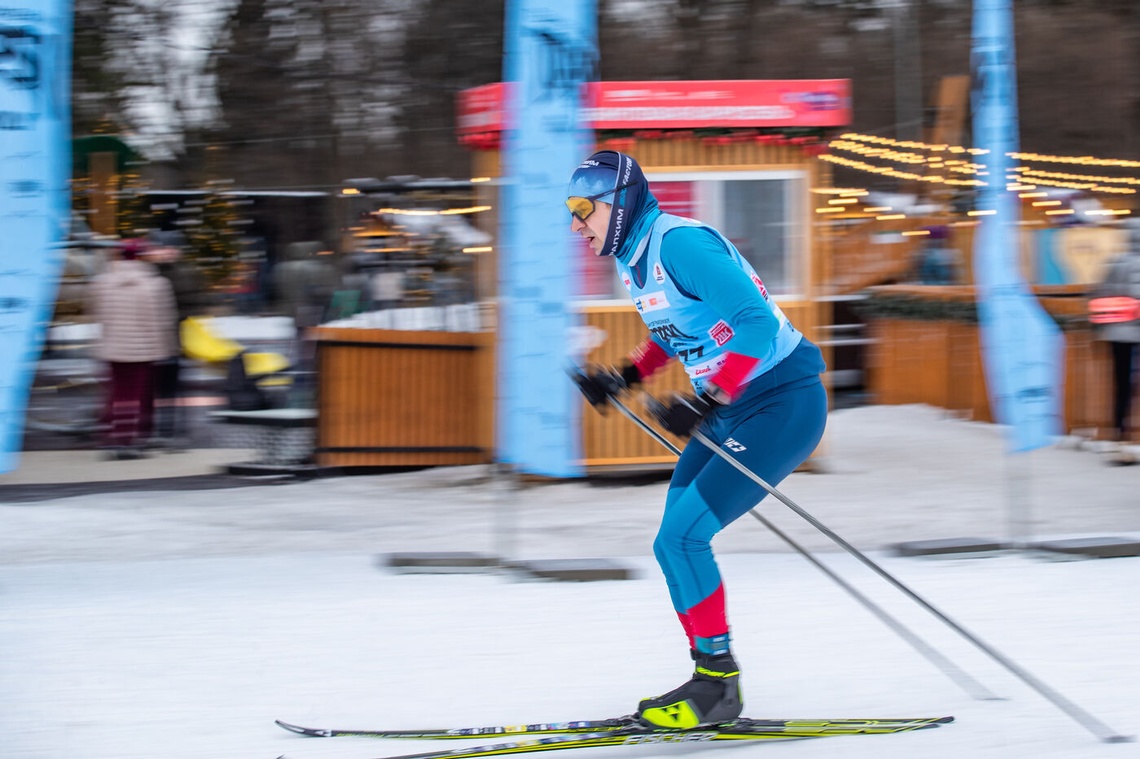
(771, 431)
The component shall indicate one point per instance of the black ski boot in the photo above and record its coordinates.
(711, 697)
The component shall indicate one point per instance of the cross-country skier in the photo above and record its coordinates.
(757, 392)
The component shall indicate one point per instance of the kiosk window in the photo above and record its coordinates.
(764, 213)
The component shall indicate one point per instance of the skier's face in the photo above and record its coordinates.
(593, 229)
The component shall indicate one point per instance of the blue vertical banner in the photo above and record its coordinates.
(35, 167)
(550, 56)
(1022, 347)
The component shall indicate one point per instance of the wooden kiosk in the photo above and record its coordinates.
(741, 155)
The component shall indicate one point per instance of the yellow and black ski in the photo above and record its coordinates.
(554, 736)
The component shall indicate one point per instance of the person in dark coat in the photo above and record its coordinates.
(1122, 280)
(166, 250)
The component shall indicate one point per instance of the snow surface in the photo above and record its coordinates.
(180, 625)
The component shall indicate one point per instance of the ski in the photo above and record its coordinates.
(615, 724)
(541, 728)
(635, 734)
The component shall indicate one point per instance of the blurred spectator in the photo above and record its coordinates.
(358, 279)
(1122, 280)
(167, 251)
(387, 289)
(191, 296)
(304, 282)
(938, 262)
(246, 288)
(135, 309)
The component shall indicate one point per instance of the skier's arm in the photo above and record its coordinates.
(644, 360)
(702, 267)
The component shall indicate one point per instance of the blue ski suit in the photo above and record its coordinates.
(701, 300)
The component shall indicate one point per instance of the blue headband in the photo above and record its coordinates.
(594, 177)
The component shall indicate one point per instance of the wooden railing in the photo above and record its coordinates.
(921, 358)
(610, 440)
(389, 398)
(397, 398)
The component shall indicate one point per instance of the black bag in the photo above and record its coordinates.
(242, 392)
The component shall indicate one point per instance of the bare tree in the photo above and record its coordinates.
(309, 93)
(96, 89)
(276, 123)
(446, 52)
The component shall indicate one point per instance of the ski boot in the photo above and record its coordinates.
(712, 696)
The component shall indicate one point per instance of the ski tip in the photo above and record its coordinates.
(299, 730)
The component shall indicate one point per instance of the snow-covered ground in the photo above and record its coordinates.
(181, 624)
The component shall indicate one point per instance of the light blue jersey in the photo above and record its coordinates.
(704, 304)
(688, 327)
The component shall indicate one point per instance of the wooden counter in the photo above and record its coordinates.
(400, 398)
(926, 350)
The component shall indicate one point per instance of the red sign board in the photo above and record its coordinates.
(683, 105)
(675, 197)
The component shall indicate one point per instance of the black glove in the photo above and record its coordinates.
(682, 413)
(603, 383)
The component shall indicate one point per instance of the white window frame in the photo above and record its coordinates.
(709, 206)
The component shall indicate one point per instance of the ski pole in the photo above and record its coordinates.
(954, 672)
(1099, 729)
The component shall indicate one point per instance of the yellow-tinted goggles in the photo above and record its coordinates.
(582, 208)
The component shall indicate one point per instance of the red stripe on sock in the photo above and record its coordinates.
(709, 619)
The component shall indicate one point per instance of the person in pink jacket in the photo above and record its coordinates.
(134, 306)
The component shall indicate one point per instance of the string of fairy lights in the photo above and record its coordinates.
(954, 167)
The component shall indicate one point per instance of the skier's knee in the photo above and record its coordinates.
(670, 544)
